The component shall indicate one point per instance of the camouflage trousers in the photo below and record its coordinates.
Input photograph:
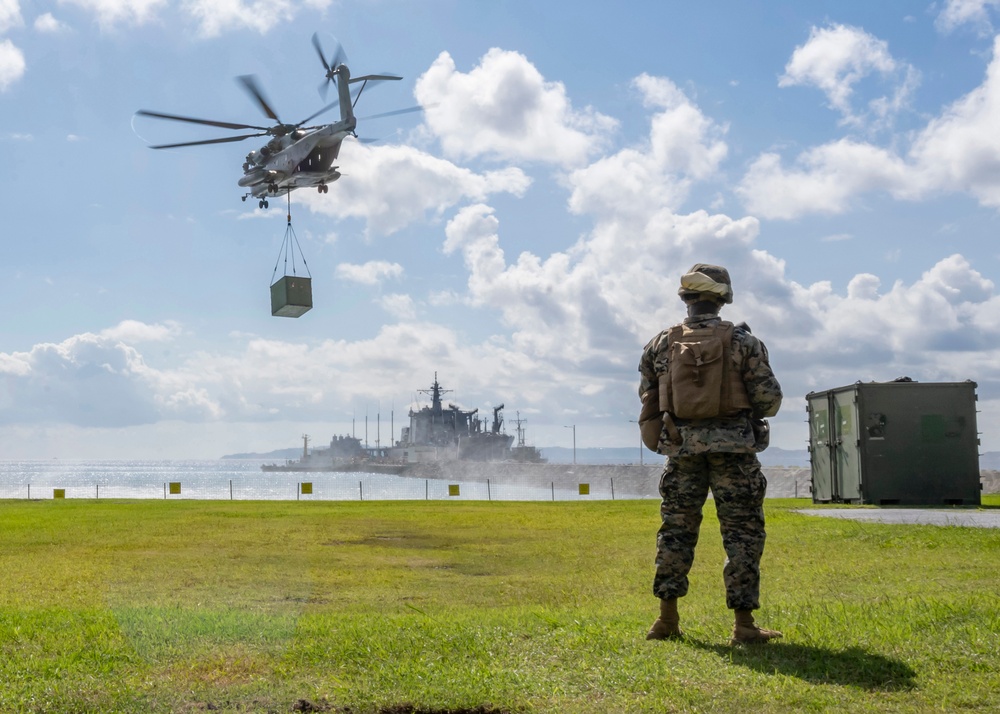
(737, 486)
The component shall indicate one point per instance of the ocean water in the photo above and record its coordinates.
(231, 479)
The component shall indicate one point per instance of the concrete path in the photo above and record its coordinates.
(919, 516)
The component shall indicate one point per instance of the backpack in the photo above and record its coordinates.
(700, 382)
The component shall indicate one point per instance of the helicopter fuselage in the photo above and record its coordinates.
(297, 160)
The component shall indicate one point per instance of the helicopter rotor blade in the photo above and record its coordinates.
(223, 140)
(192, 120)
(319, 51)
(249, 83)
(327, 108)
(408, 110)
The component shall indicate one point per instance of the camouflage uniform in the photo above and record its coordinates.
(717, 454)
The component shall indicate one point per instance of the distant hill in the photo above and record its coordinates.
(630, 455)
(277, 454)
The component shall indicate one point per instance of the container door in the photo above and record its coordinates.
(846, 452)
(820, 447)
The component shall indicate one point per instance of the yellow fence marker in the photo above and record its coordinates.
(59, 493)
(453, 489)
(306, 489)
(175, 488)
(584, 489)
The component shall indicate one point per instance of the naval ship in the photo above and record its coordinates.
(435, 433)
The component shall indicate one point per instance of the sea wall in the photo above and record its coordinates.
(782, 481)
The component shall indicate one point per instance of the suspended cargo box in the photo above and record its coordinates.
(291, 296)
(889, 443)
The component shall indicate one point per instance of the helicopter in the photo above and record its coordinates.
(296, 156)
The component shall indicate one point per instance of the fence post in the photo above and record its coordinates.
(553, 490)
(29, 491)
(98, 486)
(361, 491)
(612, 488)
(427, 489)
(489, 494)
(230, 489)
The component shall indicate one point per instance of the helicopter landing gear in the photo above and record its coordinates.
(272, 188)
(263, 203)
(323, 188)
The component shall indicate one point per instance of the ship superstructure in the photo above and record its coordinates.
(440, 433)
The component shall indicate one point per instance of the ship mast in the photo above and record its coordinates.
(435, 393)
(520, 429)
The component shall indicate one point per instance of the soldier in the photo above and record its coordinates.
(709, 385)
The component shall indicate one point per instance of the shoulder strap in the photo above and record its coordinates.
(734, 393)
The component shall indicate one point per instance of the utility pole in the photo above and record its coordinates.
(574, 440)
(633, 421)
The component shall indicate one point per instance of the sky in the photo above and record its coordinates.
(521, 237)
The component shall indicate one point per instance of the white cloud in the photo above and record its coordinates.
(215, 17)
(836, 59)
(98, 380)
(505, 109)
(957, 151)
(212, 17)
(46, 23)
(399, 306)
(684, 146)
(112, 13)
(135, 331)
(392, 186)
(874, 334)
(960, 149)
(10, 15)
(11, 64)
(373, 272)
(966, 12)
(825, 179)
(585, 304)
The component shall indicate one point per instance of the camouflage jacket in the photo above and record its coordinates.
(721, 434)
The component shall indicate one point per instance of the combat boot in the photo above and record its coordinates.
(746, 632)
(668, 625)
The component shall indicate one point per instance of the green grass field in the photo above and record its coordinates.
(191, 606)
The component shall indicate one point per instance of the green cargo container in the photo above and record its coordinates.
(888, 443)
(291, 296)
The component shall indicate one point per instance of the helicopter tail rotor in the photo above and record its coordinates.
(338, 58)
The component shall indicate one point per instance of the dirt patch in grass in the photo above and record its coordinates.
(304, 705)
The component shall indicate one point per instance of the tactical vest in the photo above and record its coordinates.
(701, 382)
